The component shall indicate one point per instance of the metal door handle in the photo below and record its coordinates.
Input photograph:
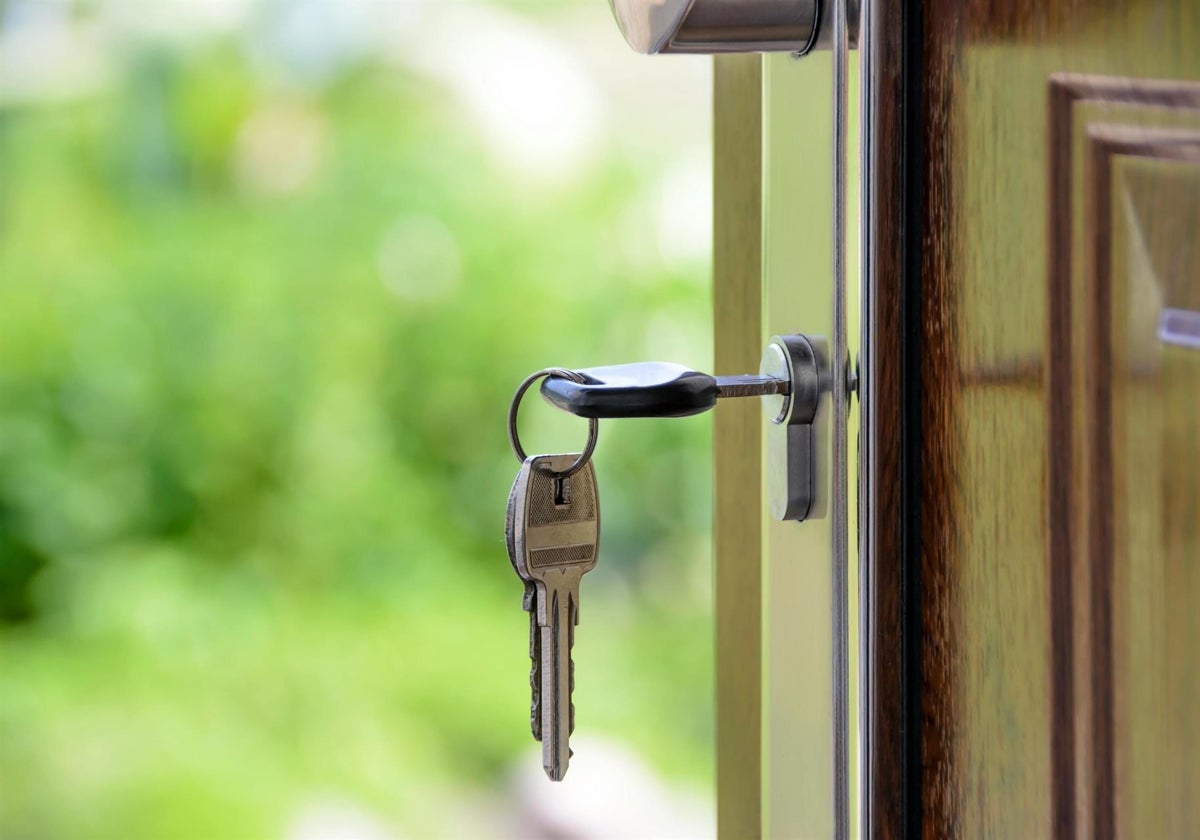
(728, 26)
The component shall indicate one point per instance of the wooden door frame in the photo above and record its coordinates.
(890, 401)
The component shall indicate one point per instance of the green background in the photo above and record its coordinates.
(253, 464)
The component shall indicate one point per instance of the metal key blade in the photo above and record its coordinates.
(556, 537)
(557, 683)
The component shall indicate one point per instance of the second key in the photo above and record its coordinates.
(556, 539)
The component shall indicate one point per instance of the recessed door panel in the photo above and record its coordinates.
(1047, 177)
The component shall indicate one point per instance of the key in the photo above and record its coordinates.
(555, 540)
(652, 389)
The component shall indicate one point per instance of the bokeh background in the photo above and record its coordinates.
(269, 274)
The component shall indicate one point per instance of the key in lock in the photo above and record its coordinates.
(794, 380)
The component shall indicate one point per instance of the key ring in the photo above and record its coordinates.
(514, 407)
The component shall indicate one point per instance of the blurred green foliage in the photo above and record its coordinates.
(251, 495)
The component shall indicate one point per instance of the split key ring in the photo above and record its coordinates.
(514, 407)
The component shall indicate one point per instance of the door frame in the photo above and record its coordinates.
(889, 481)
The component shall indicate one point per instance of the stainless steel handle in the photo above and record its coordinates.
(727, 26)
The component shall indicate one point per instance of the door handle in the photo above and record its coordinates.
(729, 26)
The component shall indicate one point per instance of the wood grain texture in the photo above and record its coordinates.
(1123, 362)
(737, 430)
(999, 516)
(1082, 760)
(890, 399)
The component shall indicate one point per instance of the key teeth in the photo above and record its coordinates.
(535, 681)
(535, 663)
(535, 710)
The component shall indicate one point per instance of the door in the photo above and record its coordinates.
(1029, 456)
(1033, 296)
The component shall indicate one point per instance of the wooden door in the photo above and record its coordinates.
(1032, 233)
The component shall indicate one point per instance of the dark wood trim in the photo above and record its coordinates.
(1098, 304)
(1106, 142)
(1061, 458)
(1065, 547)
(934, 449)
(892, 175)
(911, 62)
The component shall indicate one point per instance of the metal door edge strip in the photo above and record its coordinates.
(840, 459)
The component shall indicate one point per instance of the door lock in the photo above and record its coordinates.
(794, 382)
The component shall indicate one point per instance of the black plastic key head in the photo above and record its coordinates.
(645, 389)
